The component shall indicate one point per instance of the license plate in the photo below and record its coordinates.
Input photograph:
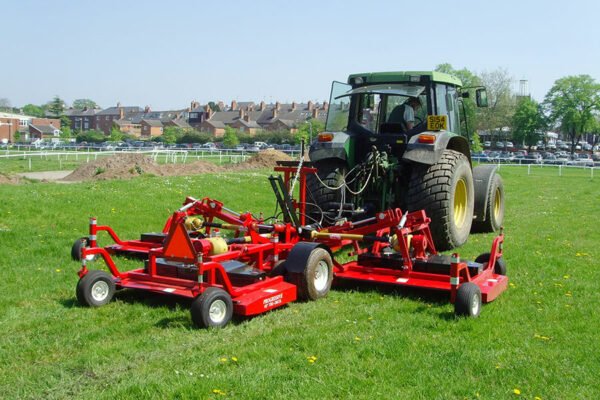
(437, 123)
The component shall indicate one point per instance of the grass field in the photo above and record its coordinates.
(540, 339)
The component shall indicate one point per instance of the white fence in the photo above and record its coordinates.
(159, 155)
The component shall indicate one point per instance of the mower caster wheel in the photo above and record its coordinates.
(213, 308)
(95, 289)
(77, 246)
(315, 281)
(468, 300)
(499, 266)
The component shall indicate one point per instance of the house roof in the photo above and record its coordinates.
(81, 113)
(44, 129)
(116, 111)
(182, 123)
(214, 124)
(152, 122)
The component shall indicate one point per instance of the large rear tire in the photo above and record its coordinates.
(331, 173)
(445, 191)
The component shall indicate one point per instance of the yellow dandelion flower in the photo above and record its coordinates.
(357, 338)
(58, 270)
(566, 276)
(516, 391)
(218, 392)
(537, 398)
(311, 359)
(223, 359)
(234, 359)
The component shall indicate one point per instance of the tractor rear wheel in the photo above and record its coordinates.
(95, 289)
(445, 191)
(331, 173)
(213, 308)
(468, 300)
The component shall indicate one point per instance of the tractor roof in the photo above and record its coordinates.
(405, 76)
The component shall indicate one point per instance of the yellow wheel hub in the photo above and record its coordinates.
(460, 203)
(497, 202)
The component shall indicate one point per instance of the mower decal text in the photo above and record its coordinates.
(273, 301)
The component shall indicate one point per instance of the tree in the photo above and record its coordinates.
(33, 110)
(65, 132)
(501, 101)
(80, 104)
(528, 122)
(573, 104)
(65, 121)
(214, 106)
(172, 133)
(115, 134)
(56, 106)
(308, 130)
(5, 104)
(230, 139)
(476, 143)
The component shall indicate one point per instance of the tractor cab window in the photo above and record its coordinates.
(339, 107)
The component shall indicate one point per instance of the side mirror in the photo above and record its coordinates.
(481, 97)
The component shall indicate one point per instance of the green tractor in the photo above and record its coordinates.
(377, 154)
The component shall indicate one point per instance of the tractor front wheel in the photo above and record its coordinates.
(445, 191)
(213, 308)
(95, 289)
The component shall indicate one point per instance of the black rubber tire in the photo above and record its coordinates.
(499, 266)
(306, 282)
(95, 289)
(76, 249)
(468, 300)
(331, 172)
(432, 188)
(278, 269)
(493, 218)
(201, 308)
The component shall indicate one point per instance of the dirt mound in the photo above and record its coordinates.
(264, 159)
(12, 180)
(119, 166)
(198, 167)
(125, 166)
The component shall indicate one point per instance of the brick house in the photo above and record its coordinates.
(82, 120)
(43, 131)
(106, 117)
(151, 128)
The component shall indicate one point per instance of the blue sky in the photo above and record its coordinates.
(165, 54)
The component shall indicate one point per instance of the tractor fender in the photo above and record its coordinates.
(482, 179)
(297, 259)
(430, 153)
(337, 148)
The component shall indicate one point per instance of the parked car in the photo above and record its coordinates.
(487, 143)
(481, 157)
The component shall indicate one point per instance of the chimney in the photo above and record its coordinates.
(147, 109)
(221, 106)
(234, 106)
(275, 112)
(293, 106)
(277, 106)
(209, 113)
(315, 113)
(262, 106)
(241, 113)
(247, 118)
(311, 106)
(325, 106)
(207, 108)
(121, 113)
